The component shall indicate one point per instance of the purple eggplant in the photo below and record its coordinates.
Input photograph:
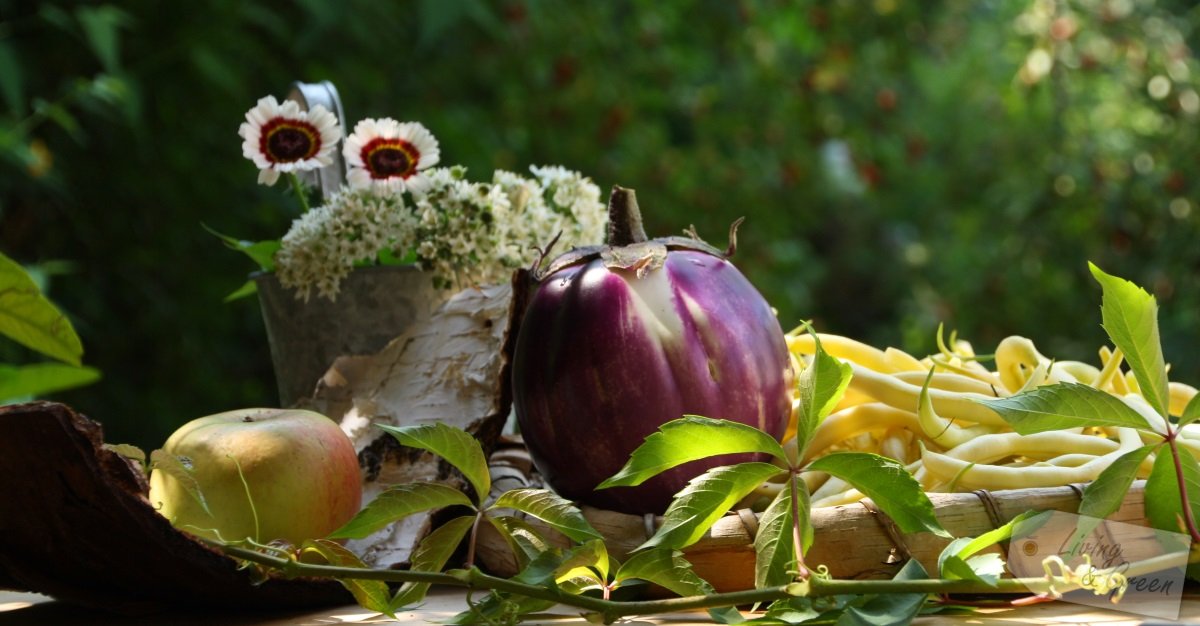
(622, 338)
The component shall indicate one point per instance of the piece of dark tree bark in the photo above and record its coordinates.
(75, 524)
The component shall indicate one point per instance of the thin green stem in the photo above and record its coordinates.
(299, 190)
(612, 610)
(797, 532)
(1184, 502)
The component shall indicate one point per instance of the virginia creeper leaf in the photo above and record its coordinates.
(687, 439)
(454, 445)
(247, 289)
(1130, 317)
(774, 544)
(704, 500)
(28, 318)
(498, 607)
(1065, 405)
(18, 381)
(985, 568)
(671, 571)
(524, 540)
(1106, 493)
(550, 508)
(1191, 412)
(822, 385)
(539, 572)
(1163, 505)
(261, 252)
(179, 468)
(431, 556)
(396, 503)
(128, 451)
(888, 484)
(588, 561)
(966, 547)
(889, 609)
(372, 595)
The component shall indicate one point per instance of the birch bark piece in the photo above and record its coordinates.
(452, 369)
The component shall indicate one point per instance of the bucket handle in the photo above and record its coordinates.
(330, 178)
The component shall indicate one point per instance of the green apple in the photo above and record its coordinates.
(265, 474)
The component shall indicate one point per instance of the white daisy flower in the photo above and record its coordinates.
(281, 138)
(388, 156)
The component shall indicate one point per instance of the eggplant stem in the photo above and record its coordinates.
(624, 218)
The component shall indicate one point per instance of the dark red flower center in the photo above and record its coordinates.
(386, 158)
(285, 140)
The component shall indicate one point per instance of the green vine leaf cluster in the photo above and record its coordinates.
(1130, 318)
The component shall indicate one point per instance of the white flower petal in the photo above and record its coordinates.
(358, 178)
(268, 176)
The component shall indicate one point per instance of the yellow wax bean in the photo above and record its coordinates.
(899, 394)
(982, 476)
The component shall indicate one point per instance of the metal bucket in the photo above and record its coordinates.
(374, 306)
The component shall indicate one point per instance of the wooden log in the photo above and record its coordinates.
(854, 541)
(75, 524)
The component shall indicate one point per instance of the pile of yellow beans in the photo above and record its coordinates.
(954, 443)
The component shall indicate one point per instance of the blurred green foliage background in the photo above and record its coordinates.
(900, 164)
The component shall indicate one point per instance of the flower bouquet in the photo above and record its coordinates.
(398, 237)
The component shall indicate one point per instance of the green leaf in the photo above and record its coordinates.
(524, 540)
(1191, 412)
(128, 451)
(12, 81)
(261, 252)
(498, 607)
(42, 378)
(1130, 318)
(397, 503)
(454, 445)
(774, 546)
(551, 508)
(247, 289)
(706, 499)
(28, 318)
(1065, 405)
(179, 468)
(372, 595)
(100, 24)
(1106, 493)
(1163, 505)
(822, 385)
(888, 484)
(891, 608)
(431, 556)
(670, 570)
(687, 439)
(984, 568)
(964, 547)
(588, 560)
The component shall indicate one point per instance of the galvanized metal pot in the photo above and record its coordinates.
(374, 306)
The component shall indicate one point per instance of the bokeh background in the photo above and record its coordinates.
(900, 164)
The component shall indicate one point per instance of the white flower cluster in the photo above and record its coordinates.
(464, 233)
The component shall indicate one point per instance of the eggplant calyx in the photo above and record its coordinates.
(642, 257)
(627, 246)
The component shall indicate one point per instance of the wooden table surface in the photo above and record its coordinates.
(33, 610)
